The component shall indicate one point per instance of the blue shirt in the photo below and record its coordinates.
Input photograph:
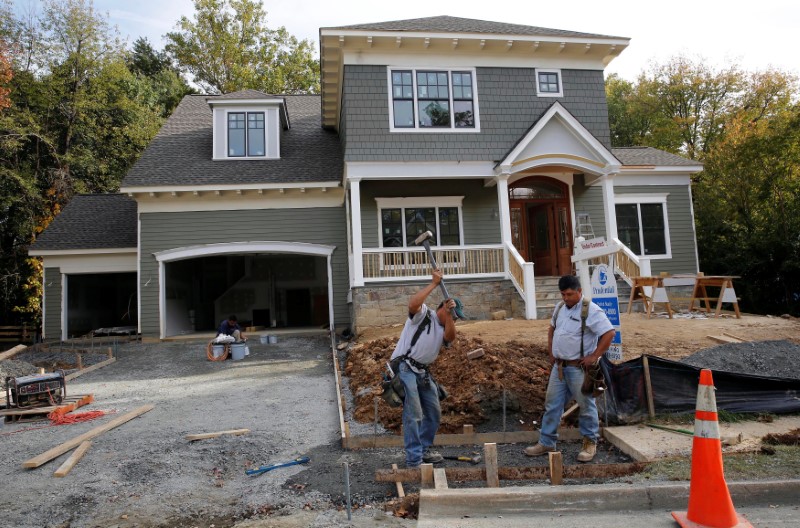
(226, 328)
(567, 333)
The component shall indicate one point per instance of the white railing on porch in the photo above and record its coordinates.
(625, 262)
(412, 262)
(521, 273)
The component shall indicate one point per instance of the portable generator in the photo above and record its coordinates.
(36, 390)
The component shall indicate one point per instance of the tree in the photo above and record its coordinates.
(169, 86)
(227, 47)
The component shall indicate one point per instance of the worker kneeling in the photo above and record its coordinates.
(580, 333)
(424, 334)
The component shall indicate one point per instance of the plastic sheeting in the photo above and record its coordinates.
(675, 390)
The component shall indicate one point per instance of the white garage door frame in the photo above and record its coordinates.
(238, 248)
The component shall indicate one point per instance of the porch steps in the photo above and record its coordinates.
(548, 295)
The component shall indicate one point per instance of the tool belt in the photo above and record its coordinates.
(416, 364)
(568, 362)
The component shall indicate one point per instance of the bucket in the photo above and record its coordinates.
(217, 350)
(264, 339)
(237, 351)
(273, 339)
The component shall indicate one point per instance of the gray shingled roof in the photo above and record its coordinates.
(91, 221)
(181, 153)
(651, 156)
(449, 24)
(244, 94)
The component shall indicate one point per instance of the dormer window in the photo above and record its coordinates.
(246, 134)
(433, 99)
(548, 83)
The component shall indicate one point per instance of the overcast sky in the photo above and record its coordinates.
(753, 34)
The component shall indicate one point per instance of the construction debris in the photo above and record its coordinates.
(204, 436)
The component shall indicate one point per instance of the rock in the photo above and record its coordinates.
(475, 354)
(498, 315)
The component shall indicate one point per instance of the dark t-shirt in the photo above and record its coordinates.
(226, 328)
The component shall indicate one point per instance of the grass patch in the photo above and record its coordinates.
(785, 463)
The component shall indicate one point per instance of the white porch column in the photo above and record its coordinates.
(64, 305)
(355, 212)
(502, 202)
(607, 185)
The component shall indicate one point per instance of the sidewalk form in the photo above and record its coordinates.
(454, 503)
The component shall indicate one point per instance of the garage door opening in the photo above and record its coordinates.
(102, 300)
(264, 290)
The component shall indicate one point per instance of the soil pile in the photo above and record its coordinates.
(475, 387)
(776, 359)
(14, 368)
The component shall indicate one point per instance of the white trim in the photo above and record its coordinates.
(414, 101)
(624, 179)
(694, 232)
(557, 71)
(227, 187)
(471, 60)
(454, 276)
(246, 113)
(422, 201)
(89, 264)
(44, 305)
(162, 300)
(358, 244)
(64, 305)
(655, 198)
(139, 273)
(650, 169)
(336, 32)
(405, 170)
(232, 248)
(212, 101)
(76, 252)
(330, 296)
(295, 199)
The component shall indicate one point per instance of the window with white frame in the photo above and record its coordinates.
(402, 220)
(642, 224)
(548, 83)
(425, 99)
(246, 134)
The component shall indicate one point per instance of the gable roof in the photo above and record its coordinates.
(91, 221)
(244, 94)
(652, 156)
(181, 153)
(449, 24)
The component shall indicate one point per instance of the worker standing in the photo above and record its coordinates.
(579, 334)
(424, 334)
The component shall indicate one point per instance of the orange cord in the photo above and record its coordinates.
(57, 418)
(210, 352)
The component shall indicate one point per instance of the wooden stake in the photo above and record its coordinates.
(490, 456)
(79, 361)
(204, 436)
(569, 411)
(439, 479)
(426, 475)
(648, 387)
(556, 468)
(59, 450)
(76, 455)
(400, 491)
(468, 429)
(9, 353)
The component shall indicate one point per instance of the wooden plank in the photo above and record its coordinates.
(400, 491)
(69, 404)
(516, 473)
(204, 436)
(426, 475)
(76, 455)
(59, 450)
(439, 479)
(511, 437)
(648, 387)
(12, 352)
(343, 426)
(723, 339)
(570, 410)
(89, 369)
(556, 468)
(734, 337)
(490, 457)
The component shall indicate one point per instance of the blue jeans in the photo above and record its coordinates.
(559, 393)
(421, 413)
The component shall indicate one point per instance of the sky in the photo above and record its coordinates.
(754, 35)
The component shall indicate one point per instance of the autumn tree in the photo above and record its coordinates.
(227, 46)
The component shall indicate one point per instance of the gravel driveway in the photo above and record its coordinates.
(144, 473)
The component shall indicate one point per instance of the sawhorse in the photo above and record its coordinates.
(649, 290)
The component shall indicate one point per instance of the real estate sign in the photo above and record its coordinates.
(604, 294)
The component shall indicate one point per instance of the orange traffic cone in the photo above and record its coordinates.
(710, 502)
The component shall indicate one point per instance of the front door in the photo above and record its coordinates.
(540, 224)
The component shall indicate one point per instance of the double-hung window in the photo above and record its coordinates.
(246, 134)
(433, 99)
(402, 220)
(642, 224)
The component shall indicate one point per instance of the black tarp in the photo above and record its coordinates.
(675, 390)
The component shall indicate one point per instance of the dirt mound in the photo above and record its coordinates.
(475, 387)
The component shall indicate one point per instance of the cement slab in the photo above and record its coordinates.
(646, 444)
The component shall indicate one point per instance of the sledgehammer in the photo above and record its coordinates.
(423, 239)
(473, 459)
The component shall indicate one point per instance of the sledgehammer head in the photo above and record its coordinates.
(423, 237)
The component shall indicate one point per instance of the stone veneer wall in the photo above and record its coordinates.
(378, 305)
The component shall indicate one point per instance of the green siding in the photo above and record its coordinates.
(52, 303)
(590, 200)
(163, 231)
(681, 234)
(479, 224)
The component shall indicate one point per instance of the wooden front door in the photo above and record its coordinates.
(540, 225)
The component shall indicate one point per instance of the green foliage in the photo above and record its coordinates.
(228, 47)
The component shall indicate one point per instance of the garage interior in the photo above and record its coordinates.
(264, 290)
(100, 300)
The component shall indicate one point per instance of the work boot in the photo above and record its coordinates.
(588, 451)
(431, 457)
(538, 450)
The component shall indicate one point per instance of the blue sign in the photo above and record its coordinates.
(604, 295)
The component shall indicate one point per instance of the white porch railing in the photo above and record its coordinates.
(521, 273)
(412, 262)
(626, 263)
